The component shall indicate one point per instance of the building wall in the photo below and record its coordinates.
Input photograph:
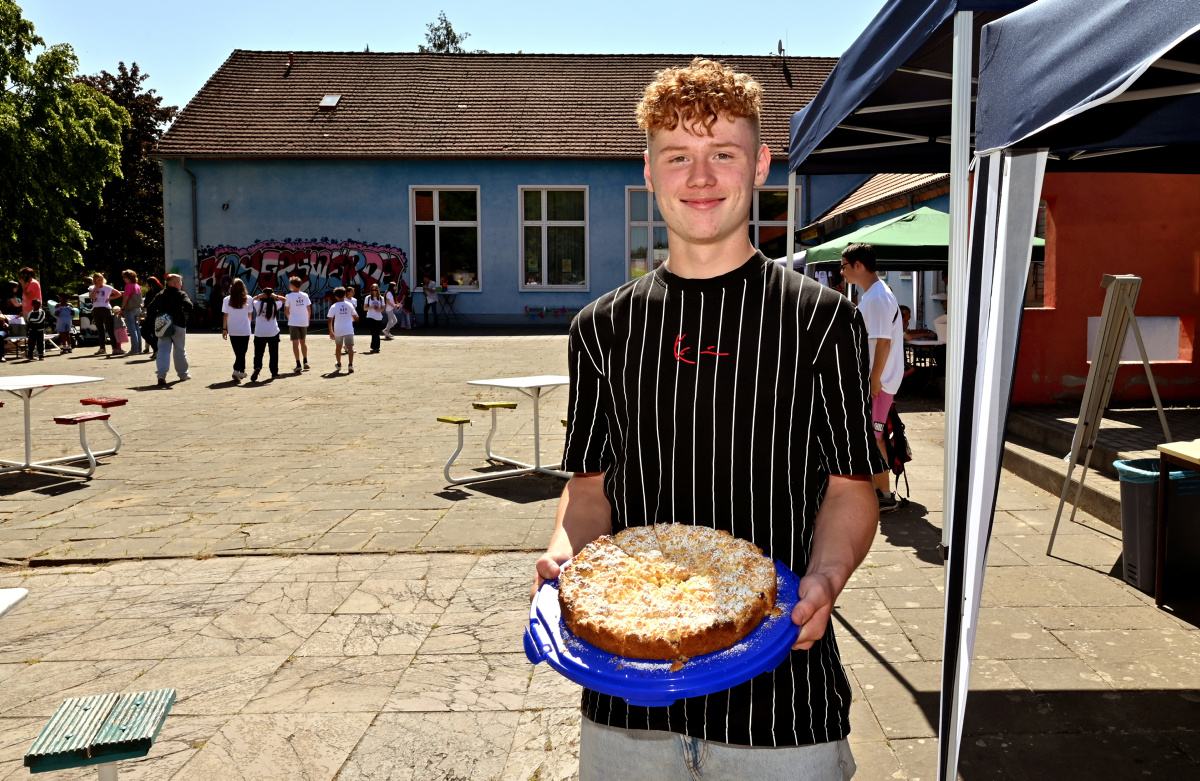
(366, 202)
(1143, 224)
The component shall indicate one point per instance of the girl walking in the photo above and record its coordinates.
(235, 326)
(266, 331)
(389, 307)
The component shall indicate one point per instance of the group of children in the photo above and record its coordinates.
(243, 317)
(35, 328)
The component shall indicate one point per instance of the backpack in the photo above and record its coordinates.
(164, 326)
(896, 445)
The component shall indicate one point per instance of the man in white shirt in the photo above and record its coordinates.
(885, 335)
(298, 308)
(342, 318)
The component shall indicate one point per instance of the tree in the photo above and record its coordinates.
(442, 39)
(127, 228)
(60, 142)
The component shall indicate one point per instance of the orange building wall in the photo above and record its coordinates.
(1143, 224)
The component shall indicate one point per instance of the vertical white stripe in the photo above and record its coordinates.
(674, 472)
(716, 385)
(638, 402)
(849, 465)
(630, 429)
(696, 408)
(662, 333)
(754, 403)
(733, 407)
(825, 408)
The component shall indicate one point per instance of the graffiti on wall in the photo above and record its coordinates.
(322, 265)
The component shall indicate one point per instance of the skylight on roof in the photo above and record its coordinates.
(329, 102)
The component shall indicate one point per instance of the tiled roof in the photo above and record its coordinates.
(406, 105)
(881, 188)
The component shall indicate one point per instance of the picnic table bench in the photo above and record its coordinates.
(100, 730)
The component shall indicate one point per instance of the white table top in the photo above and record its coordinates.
(27, 381)
(10, 598)
(925, 342)
(539, 381)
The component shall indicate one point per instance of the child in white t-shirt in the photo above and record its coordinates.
(266, 331)
(389, 309)
(342, 318)
(298, 307)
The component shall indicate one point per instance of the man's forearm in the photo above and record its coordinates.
(584, 514)
(883, 347)
(844, 528)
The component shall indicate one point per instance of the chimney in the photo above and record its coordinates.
(291, 60)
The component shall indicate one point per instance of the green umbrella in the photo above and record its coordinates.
(913, 241)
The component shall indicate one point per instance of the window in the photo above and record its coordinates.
(647, 236)
(553, 238)
(1035, 288)
(446, 236)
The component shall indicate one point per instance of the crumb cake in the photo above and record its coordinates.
(667, 591)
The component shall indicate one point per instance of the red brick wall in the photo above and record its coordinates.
(1144, 224)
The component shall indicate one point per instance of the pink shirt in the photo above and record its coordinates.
(32, 290)
(130, 289)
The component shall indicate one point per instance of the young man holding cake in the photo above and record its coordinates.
(721, 390)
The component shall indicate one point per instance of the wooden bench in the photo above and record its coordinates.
(493, 406)
(106, 402)
(80, 419)
(100, 730)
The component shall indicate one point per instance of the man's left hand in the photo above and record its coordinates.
(811, 613)
(876, 386)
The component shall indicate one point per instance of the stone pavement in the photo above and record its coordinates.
(408, 665)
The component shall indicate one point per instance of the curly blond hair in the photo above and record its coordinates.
(698, 95)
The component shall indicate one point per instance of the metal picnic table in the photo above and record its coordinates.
(25, 388)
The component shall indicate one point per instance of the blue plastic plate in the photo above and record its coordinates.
(650, 682)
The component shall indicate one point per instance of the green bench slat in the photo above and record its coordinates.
(101, 728)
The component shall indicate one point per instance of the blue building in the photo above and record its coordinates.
(515, 179)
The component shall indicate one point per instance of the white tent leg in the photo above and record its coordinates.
(960, 160)
(791, 222)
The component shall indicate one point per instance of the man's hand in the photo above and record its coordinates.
(811, 613)
(225, 335)
(876, 386)
(547, 568)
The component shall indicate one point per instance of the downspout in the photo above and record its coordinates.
(195, 224)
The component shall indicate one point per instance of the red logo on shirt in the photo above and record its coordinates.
(680, 350)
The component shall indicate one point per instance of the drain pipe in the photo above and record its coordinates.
(195, 224)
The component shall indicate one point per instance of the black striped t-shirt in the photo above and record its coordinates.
(727, 402)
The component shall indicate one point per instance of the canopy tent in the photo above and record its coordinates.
(899, 100)
(915, 241)
(1117, 88)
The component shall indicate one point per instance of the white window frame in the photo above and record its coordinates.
(477, 224)
(756, 222)
(545, 222)
(650, 223)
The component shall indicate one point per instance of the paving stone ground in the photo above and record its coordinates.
(400, 657)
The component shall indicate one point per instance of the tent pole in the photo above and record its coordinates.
(956, 267)
(791, 228)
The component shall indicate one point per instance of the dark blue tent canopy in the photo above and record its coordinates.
(1090, 79)
(885, 107)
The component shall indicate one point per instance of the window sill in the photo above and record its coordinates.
(554, 289)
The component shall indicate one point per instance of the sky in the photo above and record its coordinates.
(181, 44)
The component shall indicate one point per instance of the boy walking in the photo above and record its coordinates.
(342, 318)
(298, 307)
(64, 315)
(35, 323)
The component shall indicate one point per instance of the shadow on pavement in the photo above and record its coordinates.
(908, 527)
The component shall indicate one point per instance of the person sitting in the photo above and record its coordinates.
(915, 333)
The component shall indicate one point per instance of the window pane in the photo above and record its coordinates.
(424, 205)
(772, 205)
(565, 205)
(456, 205)
(533, 204)
(660, 246)
(460, 255)
(564, 255)
(533, 254)
(657, 214)
(424, 252)
(639, 205)
(772, 240)
(638, 250)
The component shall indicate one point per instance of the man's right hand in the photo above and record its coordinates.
(547, 568)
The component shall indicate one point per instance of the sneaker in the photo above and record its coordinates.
(350, 369)
(162, 382)
(41, 357)
(101, 351)
(298, 370)
(185, 378)
(306, 366)
(254, 377)
(118, 352)
(337, 367)
(236, 377)
(274, 375)
(387, 337)
(888, 503)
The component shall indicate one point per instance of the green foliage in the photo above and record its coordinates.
(127, 228)
(60, 142)
(440, 38)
